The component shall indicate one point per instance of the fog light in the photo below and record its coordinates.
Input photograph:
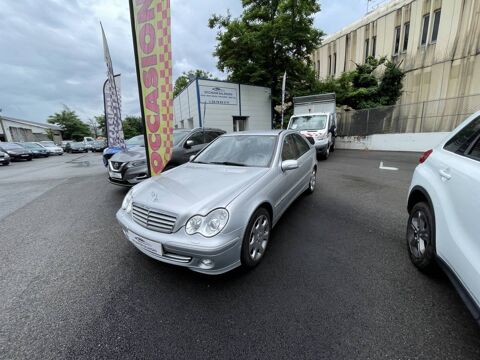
(208, 263)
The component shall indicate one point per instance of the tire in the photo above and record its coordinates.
(6, 164)
(332, 147)
(324, 155)
(312, 183)
(421, 238)
(29, 159)
(255, 240)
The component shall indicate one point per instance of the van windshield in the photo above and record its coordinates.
(308, 122)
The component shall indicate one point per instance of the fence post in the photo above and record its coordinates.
(368, 118)
(421, 116)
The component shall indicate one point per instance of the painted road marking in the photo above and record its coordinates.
(381, 167)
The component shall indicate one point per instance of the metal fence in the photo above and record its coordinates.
(429, 116)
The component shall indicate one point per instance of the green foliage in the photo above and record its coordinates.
(132, 126)
(269, 38)
(72, 127)
(101, 124)
(184, 79)
(49, 133)
(367, 86)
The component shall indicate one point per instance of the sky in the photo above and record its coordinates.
(51, 51)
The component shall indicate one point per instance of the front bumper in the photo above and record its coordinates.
(129, 176)
(215, 255)
(321, 145)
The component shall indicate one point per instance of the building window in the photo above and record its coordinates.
(396, 46)
(366, 49)
(334, 63)
(436, 24)
(329, 65)
(406, 31)
(374, 46)
(425, 22)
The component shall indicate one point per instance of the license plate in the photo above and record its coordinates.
(24, 155)
(146, 245)
(115, 175)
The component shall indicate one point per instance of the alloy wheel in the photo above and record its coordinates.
(259, 236)
(313, 180)
(419, 234)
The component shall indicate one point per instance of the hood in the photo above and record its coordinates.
(195, 188)
(131, 154)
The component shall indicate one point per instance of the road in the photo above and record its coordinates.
(336, 282)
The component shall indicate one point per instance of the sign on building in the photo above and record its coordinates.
(218, 95)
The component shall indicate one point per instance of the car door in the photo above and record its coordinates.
(459, 171)
(198, 139)
(304, 162)
(287, 184)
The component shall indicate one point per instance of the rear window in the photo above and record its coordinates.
(464, 138)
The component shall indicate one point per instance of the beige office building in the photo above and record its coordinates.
(437, 43)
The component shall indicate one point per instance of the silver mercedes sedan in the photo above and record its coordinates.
(217, 211)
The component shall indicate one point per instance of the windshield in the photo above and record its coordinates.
(48, 143)
(178, 136)
(136, 140)
(9, 146)
(240, 150)
(313, 122)
(32, 146)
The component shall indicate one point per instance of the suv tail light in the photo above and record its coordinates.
(425, 156)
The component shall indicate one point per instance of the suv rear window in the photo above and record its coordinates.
(462, 140)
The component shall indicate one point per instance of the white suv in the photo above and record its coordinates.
(444, 207)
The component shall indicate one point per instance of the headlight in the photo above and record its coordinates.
(128, 202)
(209, 225)
(321, 136)
(137, 163)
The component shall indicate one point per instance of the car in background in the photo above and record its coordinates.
(443, 204)
(15, 151)
(217, 211)
(4, 158)
(98, 145)
(75, 147)
(130, 167)
(64, 143)
(51, 147)
(37, 150)
(135, 141)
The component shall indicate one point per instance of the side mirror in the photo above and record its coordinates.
(189, 144)
(192, 157)
(289, 165)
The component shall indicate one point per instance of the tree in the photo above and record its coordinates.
(101, 125)
(93, 124)
(184, 79)
(132, 126)
(72, 126)
(376, 83)
(269, 38)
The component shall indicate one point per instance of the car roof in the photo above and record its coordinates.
(275, 132)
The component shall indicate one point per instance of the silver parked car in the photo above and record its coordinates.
(217, 211)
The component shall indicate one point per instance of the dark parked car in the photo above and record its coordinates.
(37, 150)
(75, 147)
(129, 167)
(4, 158)
(98, 145)
(16, 152)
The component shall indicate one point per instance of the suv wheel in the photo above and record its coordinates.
(421, 237)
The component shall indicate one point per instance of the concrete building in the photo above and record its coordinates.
(12, 129)
(224, 105)
(437, 43)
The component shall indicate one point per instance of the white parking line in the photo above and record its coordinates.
(381, 167)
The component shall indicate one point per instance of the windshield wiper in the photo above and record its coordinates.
(229, 163)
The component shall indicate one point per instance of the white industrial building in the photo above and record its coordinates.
(12, 129)
(223, 105)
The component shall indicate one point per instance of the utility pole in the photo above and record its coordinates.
(3, 126)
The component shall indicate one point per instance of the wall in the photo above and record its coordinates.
(417, 142)
(16, 131)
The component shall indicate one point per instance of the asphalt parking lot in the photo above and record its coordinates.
(336, 282)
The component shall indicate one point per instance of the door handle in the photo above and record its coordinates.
(445, 174)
